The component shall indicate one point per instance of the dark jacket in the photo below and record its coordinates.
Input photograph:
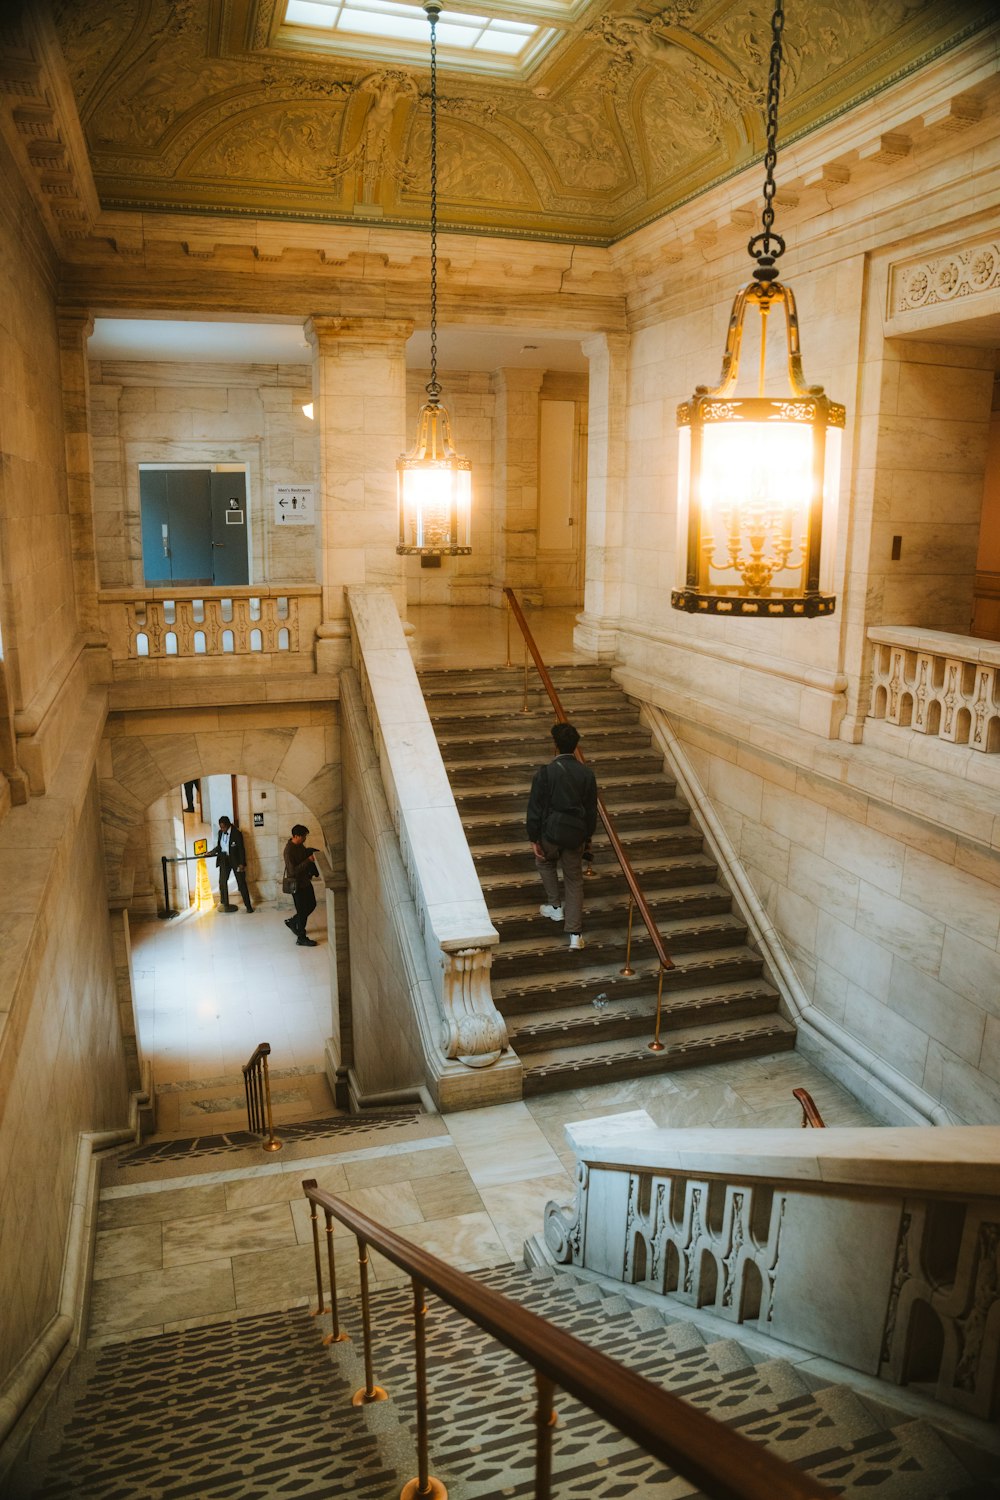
(299, 862)
(237, 856)
(562, 805)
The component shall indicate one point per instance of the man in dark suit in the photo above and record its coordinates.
(231, 858)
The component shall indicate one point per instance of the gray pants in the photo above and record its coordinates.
(572, 869)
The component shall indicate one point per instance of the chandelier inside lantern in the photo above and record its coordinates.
(758, 476)
(433, 482)
(434, 490)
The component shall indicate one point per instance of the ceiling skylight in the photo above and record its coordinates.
(503, 37)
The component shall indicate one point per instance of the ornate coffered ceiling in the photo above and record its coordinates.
(207, 106)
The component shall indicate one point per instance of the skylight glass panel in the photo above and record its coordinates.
(312, 13)
(402, 25)
(500, 41)
(368, 23)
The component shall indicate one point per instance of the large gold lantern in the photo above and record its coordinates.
(759, 476)
(433, 482)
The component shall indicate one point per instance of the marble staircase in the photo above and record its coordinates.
(572, 1018)
(256, 1408)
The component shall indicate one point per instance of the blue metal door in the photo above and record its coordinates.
(194, 527)
(230, 562)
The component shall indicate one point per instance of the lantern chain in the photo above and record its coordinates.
(767, 246)
(433, 9)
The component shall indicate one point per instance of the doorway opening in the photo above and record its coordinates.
(195, 524)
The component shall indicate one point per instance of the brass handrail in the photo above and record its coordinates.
(257, 1087)
(811, 1117)
(722, 1462)
(631, 879)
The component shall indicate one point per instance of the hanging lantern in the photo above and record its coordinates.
(758, 476)
(433, 482)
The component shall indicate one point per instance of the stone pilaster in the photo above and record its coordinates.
(596, 631)
(515, 480)
(359, 401)
(74, 331)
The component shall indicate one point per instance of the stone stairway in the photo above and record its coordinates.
(572, 1018)
(256, 1409)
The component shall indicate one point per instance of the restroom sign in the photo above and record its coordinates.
(294, 504)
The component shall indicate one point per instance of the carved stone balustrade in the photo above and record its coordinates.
(258, 628)
(879, 1248)
(928, 682)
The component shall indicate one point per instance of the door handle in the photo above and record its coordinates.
(218, 544)
(166, 540)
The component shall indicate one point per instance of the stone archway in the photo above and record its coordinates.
(143, 757)
(137, 768)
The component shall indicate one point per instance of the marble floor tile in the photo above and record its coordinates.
(390, 1204)
(517, 1208)
(175, 1203)
(467, 1241)
(120, 1252)
(151, 1299)
(405, 1166)
(244, 1231)
(490, 1165)
(281, 1187)
(447, 1195)
(271, 1279)
(500, 1122)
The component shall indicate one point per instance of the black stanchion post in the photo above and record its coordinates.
(166, 912)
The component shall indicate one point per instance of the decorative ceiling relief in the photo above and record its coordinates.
(639, 104)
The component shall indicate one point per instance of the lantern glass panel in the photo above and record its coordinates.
(756, 492)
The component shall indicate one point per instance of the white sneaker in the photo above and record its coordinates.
(554, 913)
(576, 941)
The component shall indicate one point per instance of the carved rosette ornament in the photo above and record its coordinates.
(968, 272)
(474, 1032)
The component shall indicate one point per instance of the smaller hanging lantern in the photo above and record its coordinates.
(758, 477)
(433, 482)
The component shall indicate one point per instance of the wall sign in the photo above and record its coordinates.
(294, 504)
(258, 820)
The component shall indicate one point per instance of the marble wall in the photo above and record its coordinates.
(62, 1064)
(160, 412)
(890, 917)
(37, 588)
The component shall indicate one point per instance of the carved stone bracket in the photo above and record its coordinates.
(474, 1030)
(563, 1227)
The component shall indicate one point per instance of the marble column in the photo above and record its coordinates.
(515, 483)
(597, 628)
(359, 401)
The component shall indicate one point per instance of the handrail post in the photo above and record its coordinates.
(628, 971)
(524, 705)
(507, 606)
(369, 1391)
(545, 1421)
(320, 1305)
(425, 1486)
(656, 1045)
(336, 1334)
(271, 1144)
